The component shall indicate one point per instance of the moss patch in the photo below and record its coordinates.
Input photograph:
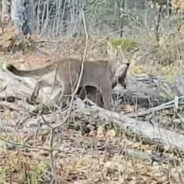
(124, 44)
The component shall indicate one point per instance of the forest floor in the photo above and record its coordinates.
(85, 151)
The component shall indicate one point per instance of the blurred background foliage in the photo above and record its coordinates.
(127, 18)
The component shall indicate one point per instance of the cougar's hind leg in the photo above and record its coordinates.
(32, 98)
(66, 94)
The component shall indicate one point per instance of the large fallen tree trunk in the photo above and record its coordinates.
(150, 133)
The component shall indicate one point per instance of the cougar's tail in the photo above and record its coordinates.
(28, 73)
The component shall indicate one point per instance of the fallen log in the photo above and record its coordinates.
(147, 132)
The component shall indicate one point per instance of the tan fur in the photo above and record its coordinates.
(65, 73)
(93, 94)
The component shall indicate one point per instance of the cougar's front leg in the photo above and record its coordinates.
(106, 91)
(92, 93)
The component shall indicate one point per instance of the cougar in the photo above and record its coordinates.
(65, 73)
(99, 74)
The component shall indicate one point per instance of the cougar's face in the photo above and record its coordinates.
(120, 74)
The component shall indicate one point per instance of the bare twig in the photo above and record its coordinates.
(71, 103)
(168, 105)
(52, 163)
(80, 76)
(20, 145)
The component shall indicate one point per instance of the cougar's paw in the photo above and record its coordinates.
(31, 100)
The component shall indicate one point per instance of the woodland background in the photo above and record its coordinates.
(140, 143)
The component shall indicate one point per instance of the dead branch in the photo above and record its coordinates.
(172, 104)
